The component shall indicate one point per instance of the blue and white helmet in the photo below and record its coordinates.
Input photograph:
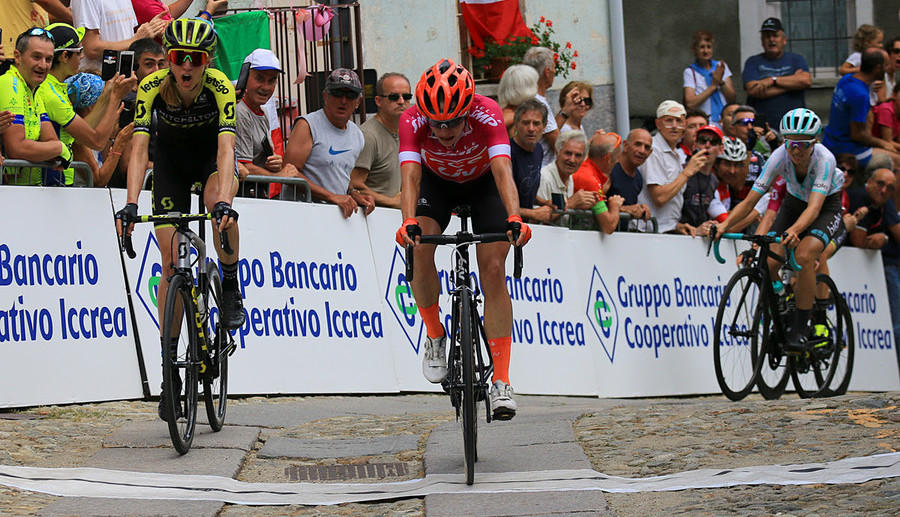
(800, 121)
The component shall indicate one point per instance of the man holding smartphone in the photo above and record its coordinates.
(96, 130)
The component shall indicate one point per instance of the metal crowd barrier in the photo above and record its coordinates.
(80, 167)
(584, 220)
(258, 186)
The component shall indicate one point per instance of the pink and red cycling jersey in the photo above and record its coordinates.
(483, 139)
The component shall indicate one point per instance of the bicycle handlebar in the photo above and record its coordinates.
(464, 238)
(127, 246)
(763, 240)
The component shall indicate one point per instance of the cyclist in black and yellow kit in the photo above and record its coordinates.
(194, 143)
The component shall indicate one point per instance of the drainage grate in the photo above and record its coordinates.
(345, 472)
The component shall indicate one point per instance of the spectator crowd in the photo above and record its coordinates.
(706, 152)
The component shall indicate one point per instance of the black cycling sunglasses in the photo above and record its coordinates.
(347, 94)
(394, 97)
(447, 124)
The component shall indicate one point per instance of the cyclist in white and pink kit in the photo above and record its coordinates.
(810, 216)
(454, 150)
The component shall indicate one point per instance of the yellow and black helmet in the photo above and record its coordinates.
(191, 34)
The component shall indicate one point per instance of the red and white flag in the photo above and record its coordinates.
(493, 19)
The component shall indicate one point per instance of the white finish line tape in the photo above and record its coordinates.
(90, 482)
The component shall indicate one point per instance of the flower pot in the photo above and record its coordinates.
(495, 69)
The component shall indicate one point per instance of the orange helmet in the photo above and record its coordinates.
(445, 91)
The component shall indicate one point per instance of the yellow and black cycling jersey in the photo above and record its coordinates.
(211, 113)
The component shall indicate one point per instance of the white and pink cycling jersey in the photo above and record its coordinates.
(483, 139)
(822, 176)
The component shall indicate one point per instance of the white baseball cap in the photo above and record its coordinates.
(263, 59)
(670, 109)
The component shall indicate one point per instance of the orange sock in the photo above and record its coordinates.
(432, 318)
(500, 348)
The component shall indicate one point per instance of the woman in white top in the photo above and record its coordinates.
(574, 107)
(707, 82)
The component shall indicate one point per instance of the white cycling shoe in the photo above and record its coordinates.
(434, 359)
(503, 406)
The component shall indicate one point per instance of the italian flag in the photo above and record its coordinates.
(493, 19)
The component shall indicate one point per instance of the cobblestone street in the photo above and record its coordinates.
(629, 438)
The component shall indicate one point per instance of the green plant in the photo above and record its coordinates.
(514, 47)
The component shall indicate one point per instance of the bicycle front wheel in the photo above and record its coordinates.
(469, 415)
(215, 379)
(813, 371)
(739, 335)
(180, 363)
(775, 371)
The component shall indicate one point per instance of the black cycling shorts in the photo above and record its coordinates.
(438, 197)
(826, 227)
(174, 173)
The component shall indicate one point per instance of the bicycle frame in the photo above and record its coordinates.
(761, 265)
(464, 286)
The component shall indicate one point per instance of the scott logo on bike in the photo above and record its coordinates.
(399, 298)
(603, 314)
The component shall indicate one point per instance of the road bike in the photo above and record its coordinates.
(752, 324)
(469, 366)
(200, 345)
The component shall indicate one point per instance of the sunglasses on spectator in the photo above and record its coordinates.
(394, 97)
(799, 144)
(669, 124)
(703, 139)
(895, 50)
(36, 31)
(744, 122)
(446, 124)
(347, 94)
(197, 57)
(587, 101)
(885, 185)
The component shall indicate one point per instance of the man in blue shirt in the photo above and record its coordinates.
(775, 80)
(847, 131)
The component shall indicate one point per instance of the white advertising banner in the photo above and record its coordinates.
(315, 323)
(652, 302)
(329, 309)
(859, 275)
(65, 328)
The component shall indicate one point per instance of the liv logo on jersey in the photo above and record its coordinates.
(603, 314)
(400, 299)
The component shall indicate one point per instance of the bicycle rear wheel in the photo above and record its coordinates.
(739, 335)
(469, 411)
(180, 364)
(844, 371)
(813, 371)
(215, 382)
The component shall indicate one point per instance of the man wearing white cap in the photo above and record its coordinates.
(259, 147)
(665, 178)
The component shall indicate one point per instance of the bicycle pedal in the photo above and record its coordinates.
(504, 414)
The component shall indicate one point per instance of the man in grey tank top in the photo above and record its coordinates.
(325, 144)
